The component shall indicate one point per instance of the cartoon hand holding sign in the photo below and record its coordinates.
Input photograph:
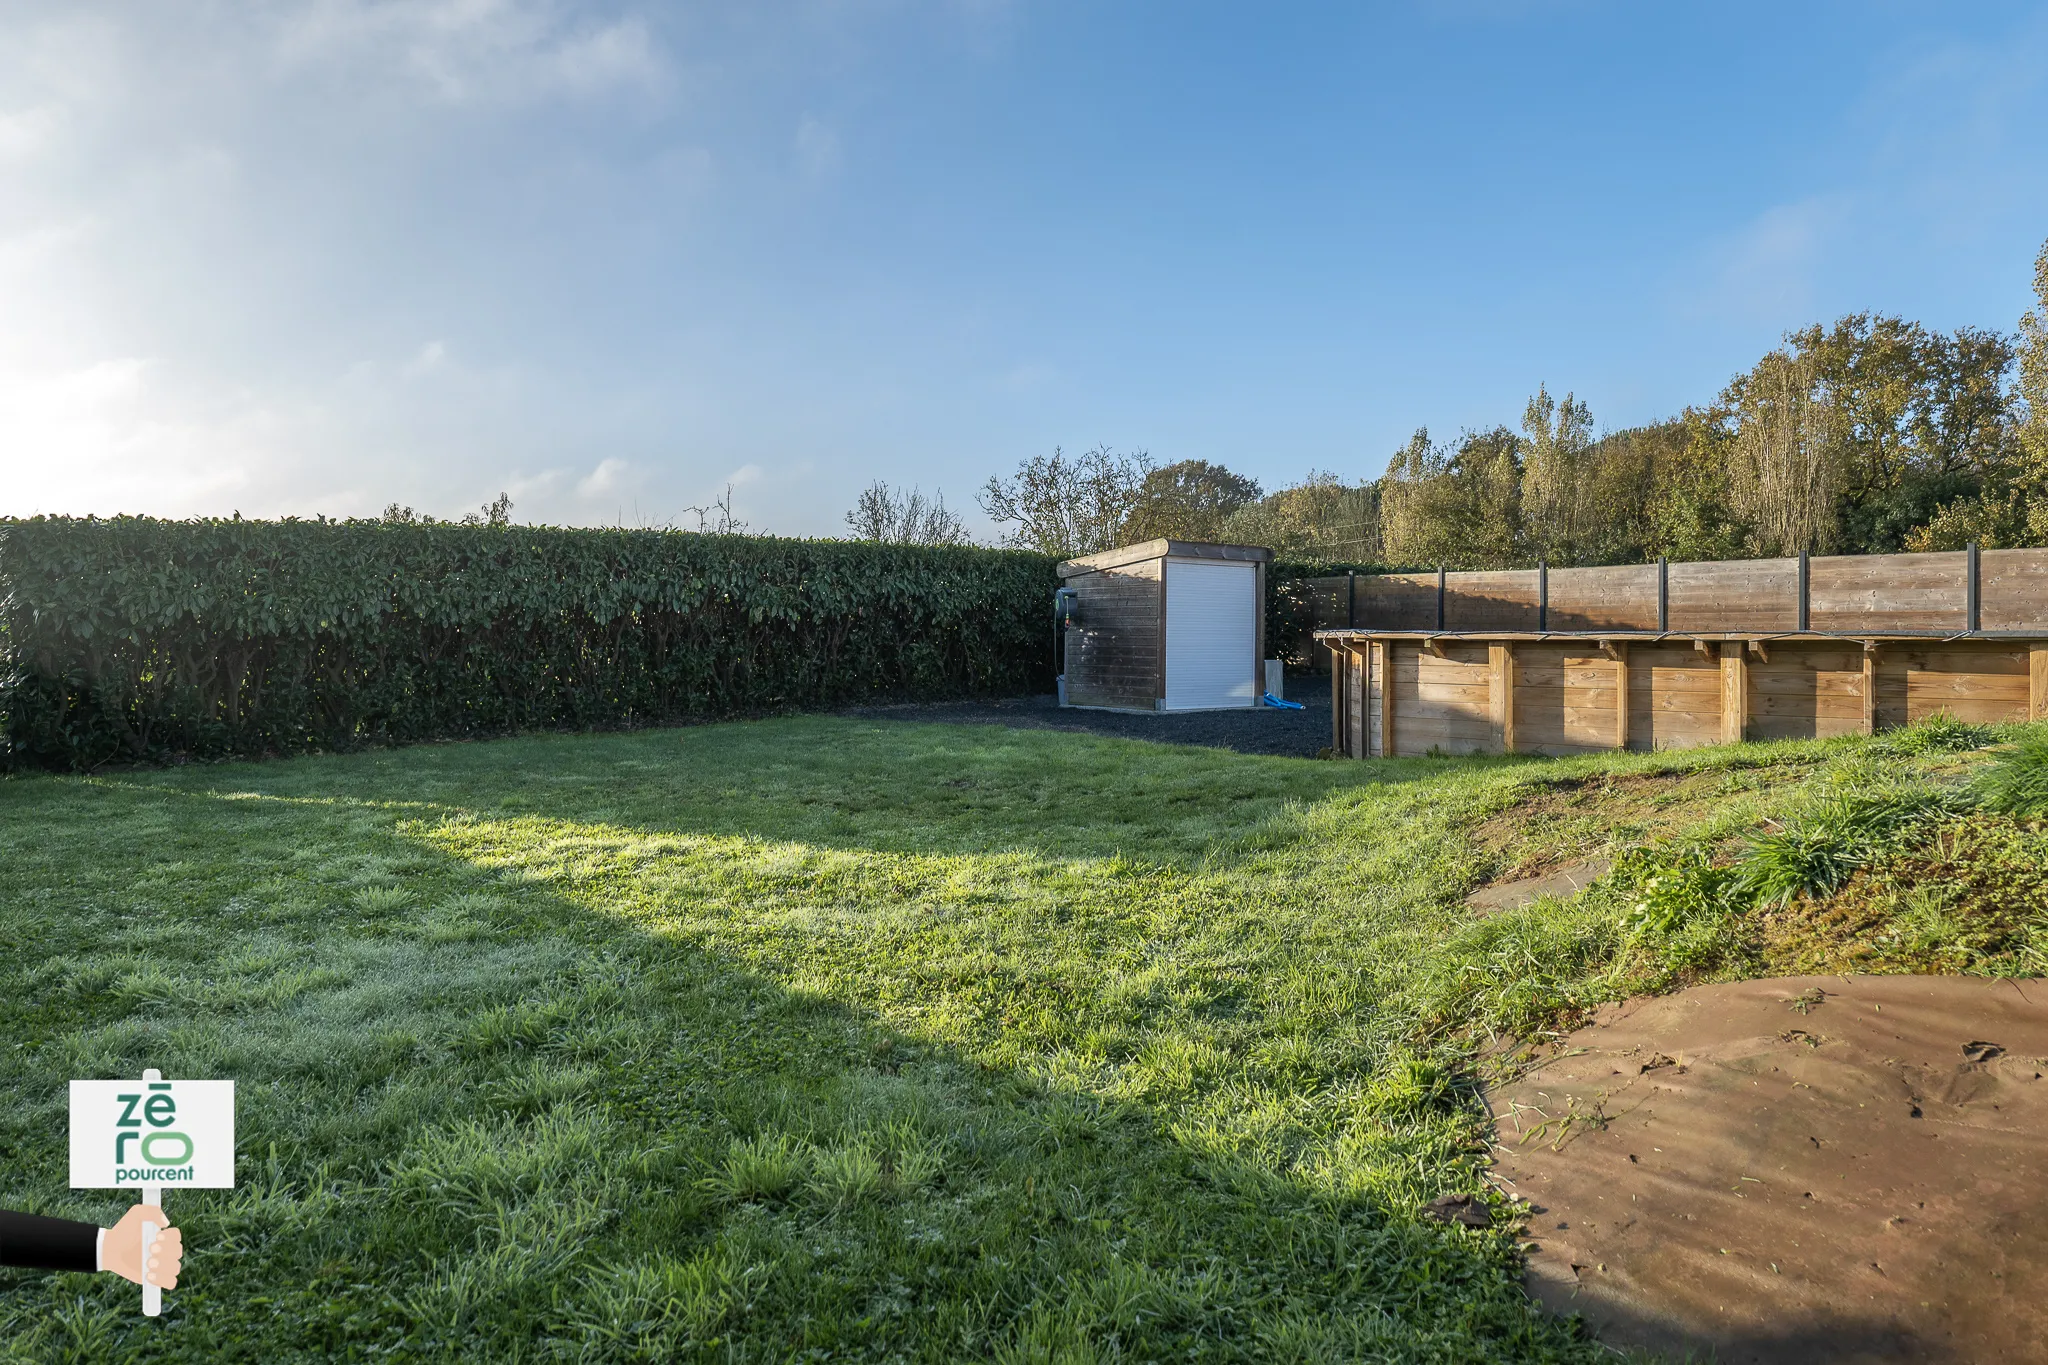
(128, 1135)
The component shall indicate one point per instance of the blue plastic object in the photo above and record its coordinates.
(1272, 700)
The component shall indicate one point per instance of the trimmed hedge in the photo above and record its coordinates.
(135, 638)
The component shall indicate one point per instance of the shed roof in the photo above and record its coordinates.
(1162, 549)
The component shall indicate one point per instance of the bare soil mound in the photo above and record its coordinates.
(1568, 880)
(1803, 1169)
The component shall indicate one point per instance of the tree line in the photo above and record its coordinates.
(1871, 435)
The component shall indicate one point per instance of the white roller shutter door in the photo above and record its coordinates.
(1211, 634)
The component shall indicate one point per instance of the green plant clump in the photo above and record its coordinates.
(2016, 782)
(1816, 852)
(1938, 733)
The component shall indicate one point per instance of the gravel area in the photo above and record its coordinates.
(1261, 730)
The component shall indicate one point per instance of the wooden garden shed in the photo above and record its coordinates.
(1168, 625)
(1663, 655)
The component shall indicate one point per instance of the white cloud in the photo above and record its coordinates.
(1768, 269)
(117, 435)
(29, 133)
(817, 148)
(610, 478)
(427, 359)
(621, 54)
(317, 256)
(464, 51)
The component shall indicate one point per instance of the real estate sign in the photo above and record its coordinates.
(148, 1134)
(128, 1135)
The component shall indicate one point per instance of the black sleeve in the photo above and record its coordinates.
(37, 1243)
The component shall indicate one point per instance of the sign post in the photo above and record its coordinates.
(152, 1296)
(130, 1136)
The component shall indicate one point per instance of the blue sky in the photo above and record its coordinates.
(313, 256)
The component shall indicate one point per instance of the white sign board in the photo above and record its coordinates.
(130, 1135)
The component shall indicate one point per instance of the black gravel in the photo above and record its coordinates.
(1261, 730)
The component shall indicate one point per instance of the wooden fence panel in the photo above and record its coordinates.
(1325, 601)
(1397, 601)
(1506, 599)
(1733, 595)
(1623, 597)
(1878, 593)
(1848, 594)
(2014, 590)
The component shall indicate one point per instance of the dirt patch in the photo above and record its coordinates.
(1567, 880)
(1803, 1169)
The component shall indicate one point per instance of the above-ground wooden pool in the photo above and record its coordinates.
(1661, 656)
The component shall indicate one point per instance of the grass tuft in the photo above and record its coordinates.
(381, 900)
(1939, 733)
(1815, 853)
(2016, 781)
(767, 1167)
(845, 1175)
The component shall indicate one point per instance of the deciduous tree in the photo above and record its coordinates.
(1459, 508)
(900, 517)
(1188, 500)
(1558, 504)
(1063, 506)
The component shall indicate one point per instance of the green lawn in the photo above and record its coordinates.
(816, 1039)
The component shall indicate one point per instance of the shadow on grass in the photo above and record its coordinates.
(1837, 1339)
(480, 1118)
(885, 787)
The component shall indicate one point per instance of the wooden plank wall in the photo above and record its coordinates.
(1969, 681)
(1847, 594)
(1564, 699)
(1674, 696)
(1113, 653)
(1733, 594)
(1620, 598)
(2013, 586)
(1807, 692)
(1356, 702)
(1557, 697)
(1505, 600)
(1889, 592)
(1443, 701)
